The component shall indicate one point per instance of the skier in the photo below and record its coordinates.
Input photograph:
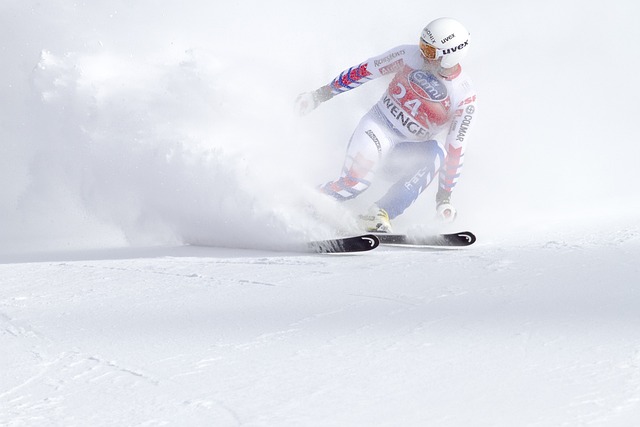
(417, 130)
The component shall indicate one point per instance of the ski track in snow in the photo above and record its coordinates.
(391, 337)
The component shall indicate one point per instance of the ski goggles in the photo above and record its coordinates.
(429, 51)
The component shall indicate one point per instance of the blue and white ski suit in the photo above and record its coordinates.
(419, 128)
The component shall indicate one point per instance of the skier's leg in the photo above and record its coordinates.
(419, 162)
(367, 146)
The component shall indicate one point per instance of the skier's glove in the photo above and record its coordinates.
(305, 103)
(445, 211)
(308, 101)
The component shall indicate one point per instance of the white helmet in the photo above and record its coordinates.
(445, 38)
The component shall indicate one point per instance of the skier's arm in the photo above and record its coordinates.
(455, 147)
(386, 63)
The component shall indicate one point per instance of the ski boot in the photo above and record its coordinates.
(376, 220)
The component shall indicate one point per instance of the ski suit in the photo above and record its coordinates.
(419, 128)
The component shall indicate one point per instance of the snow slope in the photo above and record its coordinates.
(543, 333)
(130, 129)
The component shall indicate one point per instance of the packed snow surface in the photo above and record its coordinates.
(156, 185)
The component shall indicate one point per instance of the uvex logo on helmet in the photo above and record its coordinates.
(455, 48)
(446, 39)
(451, 40)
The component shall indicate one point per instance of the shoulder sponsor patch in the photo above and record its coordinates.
(392, 68)
(388, 58)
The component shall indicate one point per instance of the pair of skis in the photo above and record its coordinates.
(367, 242)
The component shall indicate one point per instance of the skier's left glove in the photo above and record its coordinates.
(445, 211)
(308, 101)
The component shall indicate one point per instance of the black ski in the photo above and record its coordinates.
(463, 238)
(366, 242)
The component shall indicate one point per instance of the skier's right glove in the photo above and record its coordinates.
(308, 101)
(445, 211)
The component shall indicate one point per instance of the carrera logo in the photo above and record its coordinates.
(427, 85)
(455, 48)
